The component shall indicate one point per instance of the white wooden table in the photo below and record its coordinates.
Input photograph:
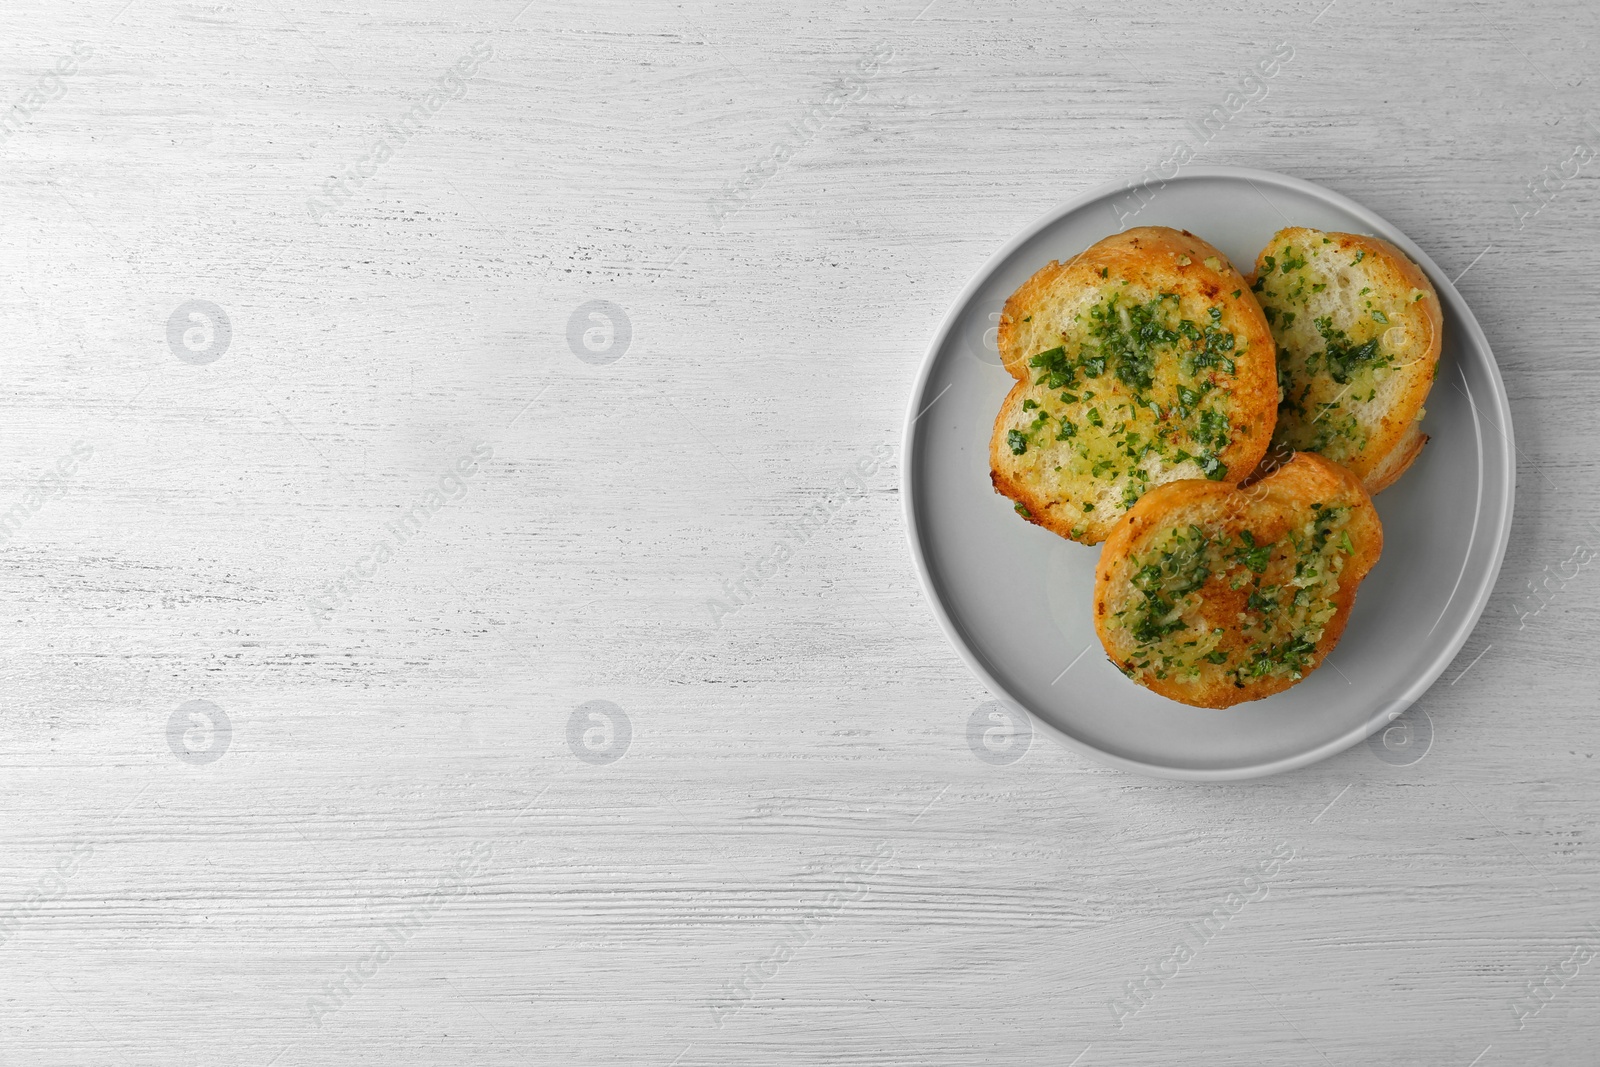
(312, 416)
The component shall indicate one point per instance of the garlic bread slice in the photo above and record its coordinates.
(1212, 595)
(1358, 329)
(1141, 361)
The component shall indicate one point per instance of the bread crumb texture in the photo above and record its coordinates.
(1213, 595)
(1358, 329)
(1142, 361)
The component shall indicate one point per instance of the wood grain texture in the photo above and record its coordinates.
(798, 858)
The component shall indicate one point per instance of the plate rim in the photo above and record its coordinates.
(1384, 715)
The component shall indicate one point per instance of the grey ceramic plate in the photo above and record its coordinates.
(1015, 599)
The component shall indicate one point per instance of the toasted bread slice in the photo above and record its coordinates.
(1358, 329)
(1212, 595)
(1143, 360)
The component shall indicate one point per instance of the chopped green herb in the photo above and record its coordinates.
(1344, 358)
(1259, 602)
(1252, 555)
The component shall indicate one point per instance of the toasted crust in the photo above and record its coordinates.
(1186, 278)
(1235, 612)
(1369, 421)
(1399, 459)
